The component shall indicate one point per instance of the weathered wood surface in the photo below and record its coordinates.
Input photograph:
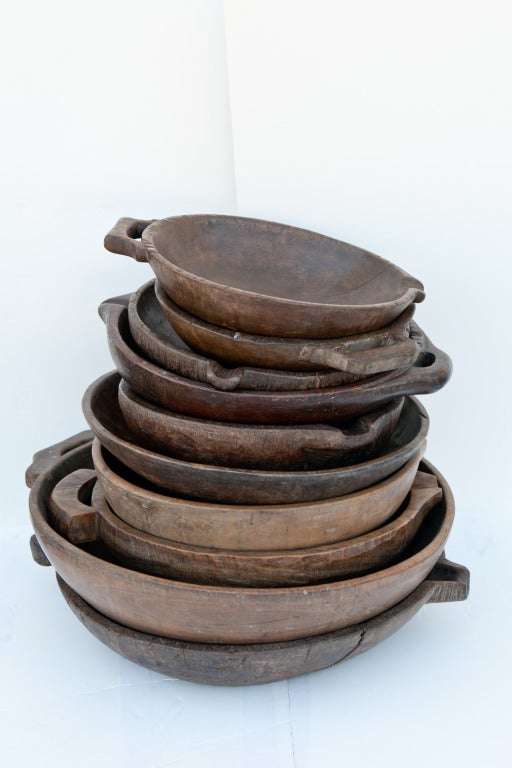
(264, 663)
(263, 277)
(430, 372)
(262, 446)
(150, 554)
(239, 615)
(238, 485)
(250, 527)
(363, 355)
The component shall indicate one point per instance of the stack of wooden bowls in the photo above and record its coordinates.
(257, 477)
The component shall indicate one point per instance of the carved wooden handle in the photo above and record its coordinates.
(449, 582)
(124, 237)
(430, 372)
(70, 510)
(42, 460)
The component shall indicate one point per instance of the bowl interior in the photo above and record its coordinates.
(276, 260)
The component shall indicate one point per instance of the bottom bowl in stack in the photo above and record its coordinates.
(278, 631)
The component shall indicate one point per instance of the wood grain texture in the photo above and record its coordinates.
(250, 527)
(363, 355)
(230, 664)
(273, 568)
(239, 615)
(430, 372)
(263, 277)
(261, 446)
(245, 486)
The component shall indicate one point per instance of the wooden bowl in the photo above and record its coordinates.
(159, 343)
(238, 485)
(267, 278)
(430, 372)
(251, 527)
(229, 664)
(297, 447)
(82, 522)
(395, 346)
(240, 615)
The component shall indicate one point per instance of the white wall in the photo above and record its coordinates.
(111, 109)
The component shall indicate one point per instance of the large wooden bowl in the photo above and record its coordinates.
(198, 613)
(250, 527)
(258, 446)
(393, 347)
(262, 277)
(238, 485)
(230, 664)
(430, 372)
(83, 521)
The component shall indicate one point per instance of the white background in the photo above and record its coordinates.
(384, 124)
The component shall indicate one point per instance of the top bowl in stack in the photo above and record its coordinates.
(267, 278)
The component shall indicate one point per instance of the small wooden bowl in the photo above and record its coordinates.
(81, 522)
(160, 343)
(393, 347)
(240, 615)
(272, 447)
(430, 372)
(238, 485)
(263, 277)
(251, 527)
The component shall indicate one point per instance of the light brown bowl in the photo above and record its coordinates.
(81, 522)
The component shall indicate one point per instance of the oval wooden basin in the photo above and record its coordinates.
(213, 614)
(244, 486)
(300, 447)
(430, 372)
(250, 527)
(80, 522)
(159, 343)
(395, 346)
(263, 277)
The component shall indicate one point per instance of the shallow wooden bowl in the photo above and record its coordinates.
(250, 527)
(297, 447)
(263, 277)
(238, 485)
(395, 346)
(430, 372)
(83, 515)
(239, 615)
(159, 343)
(229, 664)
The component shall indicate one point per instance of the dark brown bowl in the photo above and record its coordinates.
(258, 446)
(244, 486)
(430, 372)
(396, 346)
(263, 277)
(159, 342)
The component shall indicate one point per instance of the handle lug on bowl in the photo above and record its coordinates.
(124, 237)
(72, 516)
